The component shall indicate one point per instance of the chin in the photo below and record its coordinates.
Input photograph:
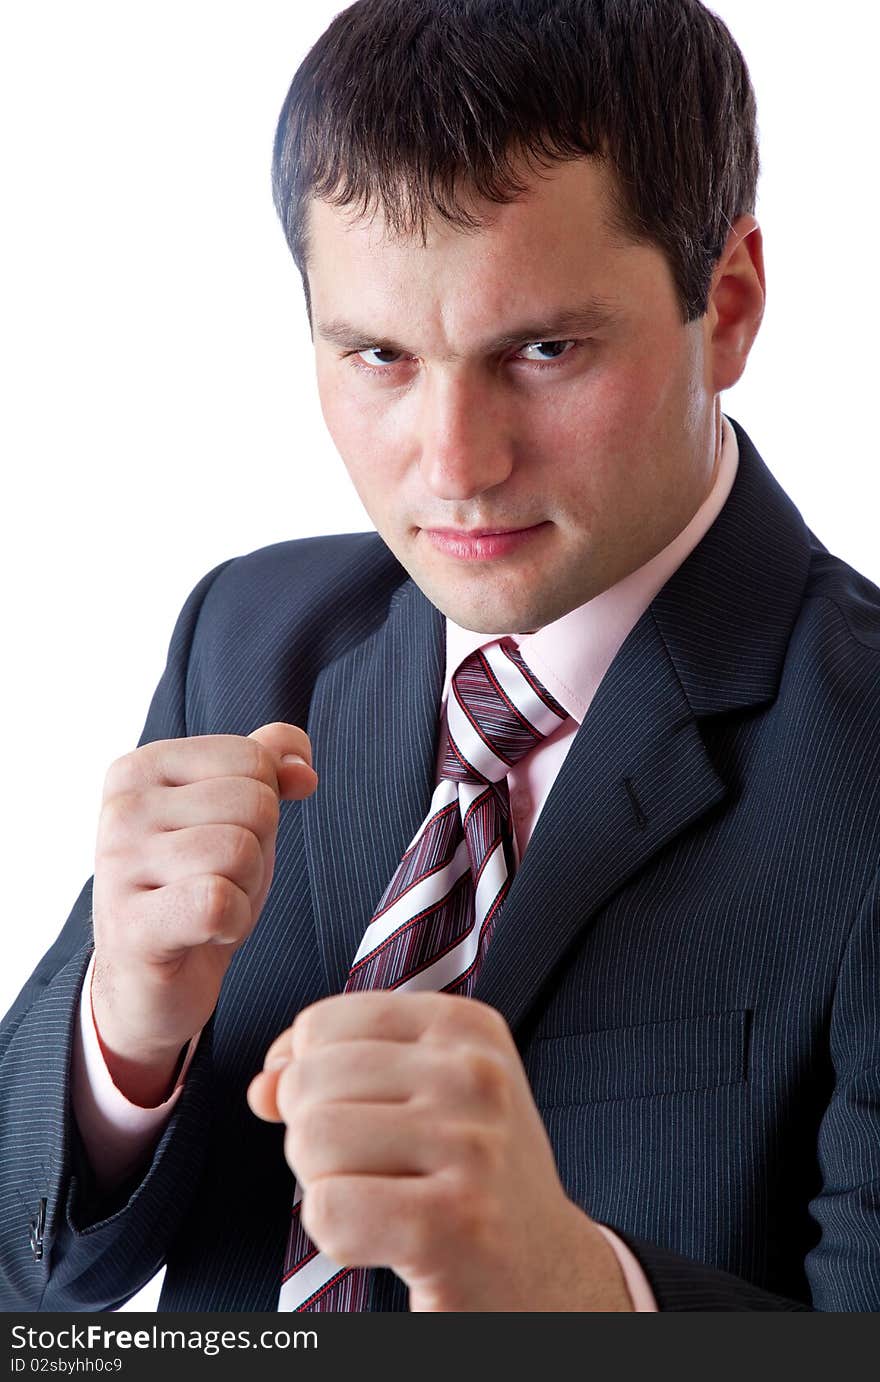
(491, 604)
(493, 616)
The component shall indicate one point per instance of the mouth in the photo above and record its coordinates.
(482, 544)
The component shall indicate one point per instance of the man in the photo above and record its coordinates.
(555, 987)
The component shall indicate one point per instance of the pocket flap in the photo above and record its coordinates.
(631, 1062)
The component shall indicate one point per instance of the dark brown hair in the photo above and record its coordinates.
(405, 104)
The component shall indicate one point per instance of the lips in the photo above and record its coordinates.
(466, 534)
(481, 544)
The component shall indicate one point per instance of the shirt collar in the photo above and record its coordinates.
(572, 655)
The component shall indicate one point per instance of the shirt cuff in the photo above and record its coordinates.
(636, 1282)
(116, 1133)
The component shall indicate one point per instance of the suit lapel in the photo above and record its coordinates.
(636, 775)
(373, 727)
(727, 613)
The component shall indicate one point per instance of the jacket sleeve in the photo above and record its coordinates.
(62, 1246)
(843, 1268)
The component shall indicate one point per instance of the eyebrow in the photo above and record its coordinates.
(572, 321)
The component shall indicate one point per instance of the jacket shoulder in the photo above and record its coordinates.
(344, 581)
(855, 598)
(260, 628)
(831, 683)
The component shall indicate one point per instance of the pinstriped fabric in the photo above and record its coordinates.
(38, 1124)
(689, 957)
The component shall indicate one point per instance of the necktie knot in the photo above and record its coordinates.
(497, 712)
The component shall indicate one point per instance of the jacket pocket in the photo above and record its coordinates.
(632, 1062)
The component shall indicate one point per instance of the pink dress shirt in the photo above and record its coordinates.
(571, 656)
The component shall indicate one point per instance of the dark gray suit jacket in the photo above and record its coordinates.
(688, 957)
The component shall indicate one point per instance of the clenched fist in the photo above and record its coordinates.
(184, 860)
(413, 1134)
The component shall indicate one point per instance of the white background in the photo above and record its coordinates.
(159, 412)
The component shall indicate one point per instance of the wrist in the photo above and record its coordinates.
(144, 1083)
(145, 1073)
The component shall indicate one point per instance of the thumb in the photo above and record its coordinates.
(289, 746)
(262, 1096)
(262, 1092)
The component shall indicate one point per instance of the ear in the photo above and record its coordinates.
(736, 303)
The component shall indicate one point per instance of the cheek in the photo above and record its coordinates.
(360, 433)
(616, 431)
(344, 420)
(608, 421)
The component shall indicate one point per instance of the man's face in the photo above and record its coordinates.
(513, 479)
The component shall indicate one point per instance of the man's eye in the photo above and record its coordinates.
(555, 350)
(372, 356)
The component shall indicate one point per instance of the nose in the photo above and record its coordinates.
(465, 443)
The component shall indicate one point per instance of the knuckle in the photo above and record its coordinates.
(305, 1145)
(265, 809)
(242, 854)
(486, 1019)
(446, 1017)
(120, 816)
(216, 898)
(124, 773)
(459, 1213)
(486, 1078)
(476, 1150)
(292, 1086)
(324, 1220)
(315, 1122)
(260, 764)
(449, 1216)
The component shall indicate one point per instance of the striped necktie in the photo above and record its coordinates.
(435, 920)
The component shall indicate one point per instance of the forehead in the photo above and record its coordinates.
(558, 227)
(528, 261)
